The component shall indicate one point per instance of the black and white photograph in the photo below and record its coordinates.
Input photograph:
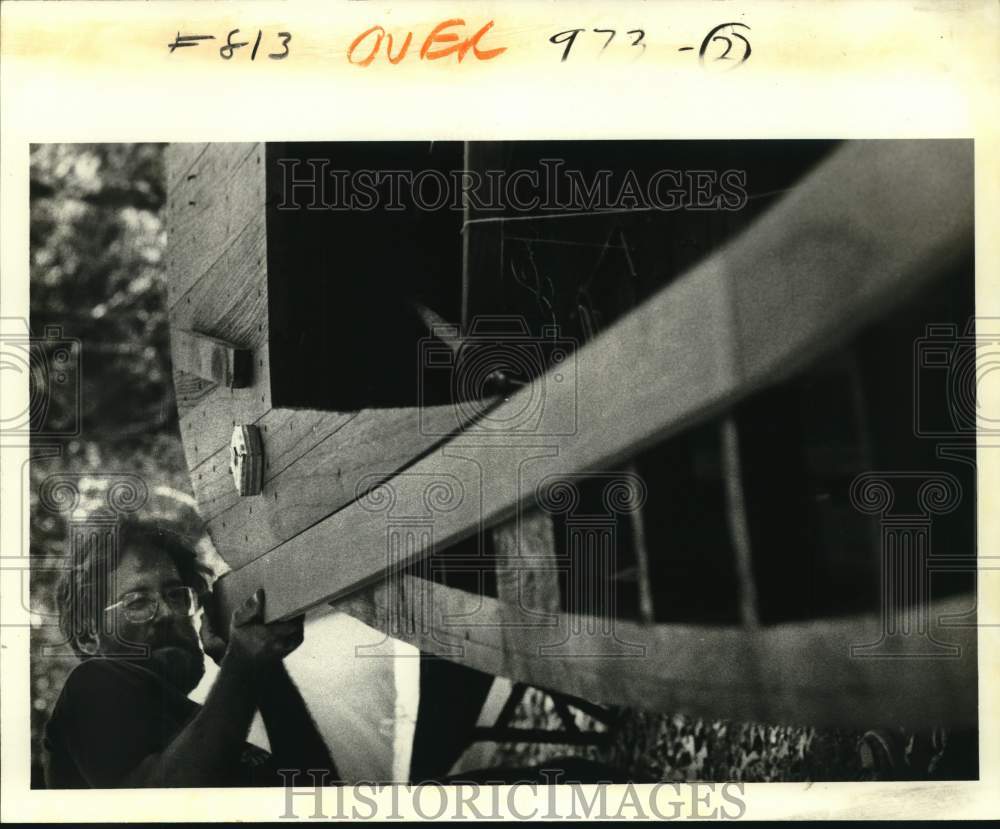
(646, 461)
(515, 411)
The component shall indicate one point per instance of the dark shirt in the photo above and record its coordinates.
(112, 714)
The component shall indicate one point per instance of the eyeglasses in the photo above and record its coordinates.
(143, 607)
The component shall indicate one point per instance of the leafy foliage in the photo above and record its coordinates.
(97, 243)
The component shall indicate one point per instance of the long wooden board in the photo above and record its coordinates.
(180, 158)
(870, 226)
(315, 463)
(790, 673)
(527, 570)
(209, 206)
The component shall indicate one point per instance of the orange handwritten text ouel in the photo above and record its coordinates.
(441, 42)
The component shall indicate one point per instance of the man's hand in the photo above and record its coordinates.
(251, 642)
(211, 640)
(255, 643)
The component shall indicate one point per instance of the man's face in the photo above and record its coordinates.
(174, 651)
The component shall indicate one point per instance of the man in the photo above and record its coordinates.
(123, 718)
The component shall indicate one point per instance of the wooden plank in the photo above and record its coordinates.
(315, 463)
(229, 303)
(217, 285)
(868, 228)
(179, 158)
(207, 426)
(211, 359)
(526, 567)
(790, 673)
(647, 610)
(189, 391)
(738, 521)
(288, 435)
(208, 207)
(229, 300)
(291, 436)
(196, 219)
(750, 315)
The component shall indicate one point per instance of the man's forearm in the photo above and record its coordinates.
(295, 740)
(212, 741)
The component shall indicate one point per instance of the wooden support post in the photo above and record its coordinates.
(647, 612)
(527, 581)
(739, 528)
